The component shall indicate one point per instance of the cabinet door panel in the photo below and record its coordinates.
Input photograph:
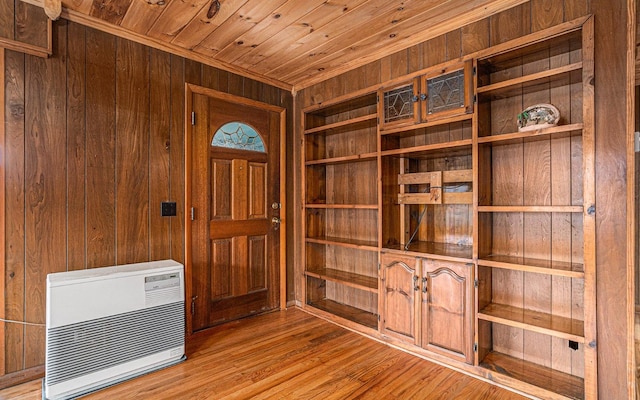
(399, 307)
(447, 309)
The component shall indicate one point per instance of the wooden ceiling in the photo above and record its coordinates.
(288, 43)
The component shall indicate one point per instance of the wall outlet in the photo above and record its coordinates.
(168, 209)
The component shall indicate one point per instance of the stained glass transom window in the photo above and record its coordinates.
(398, 104)
(446, 91)
(239, 136)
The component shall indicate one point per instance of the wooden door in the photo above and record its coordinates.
(447, 309)
(399, 308)
(234, 196)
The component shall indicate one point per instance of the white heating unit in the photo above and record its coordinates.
(106, 325)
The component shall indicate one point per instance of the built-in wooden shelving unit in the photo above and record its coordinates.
(433, 222)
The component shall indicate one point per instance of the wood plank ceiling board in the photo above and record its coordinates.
(282, 41)
(287, 43)
(200, 26)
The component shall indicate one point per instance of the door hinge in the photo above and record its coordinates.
(475, 347)
(475, 98)
(636, 141)
(475, 283)
(193, 213)
(193, 118)
(379, 266)
(475, 70)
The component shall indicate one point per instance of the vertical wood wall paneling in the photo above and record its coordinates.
(132, 152)
(236, 84)
(434, 51)
(14, 209)
(632, 217)
(30, 22)
(45, 180)
(76, 147)
(510, 24)
(475, 36)
(454, 44)
(7, 18)
(100, 148)
(176, 157)
(575, 8)
(69, 163)
(2, 214)
(611, 216)
(210, 78)
(159, 152)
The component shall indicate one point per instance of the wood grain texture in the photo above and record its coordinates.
(2, 214)
(14, 164)
(45, 198)
(159, 153)
(100, 149)
(176, 156)
(302, 357)
(611, 217)
(76, 148)
(7, 22)
(75, 103)
(132, 152)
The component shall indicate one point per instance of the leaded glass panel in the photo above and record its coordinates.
(398, 104)
(446, 92)
(239, 136)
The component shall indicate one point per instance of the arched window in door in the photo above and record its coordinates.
(239, 136)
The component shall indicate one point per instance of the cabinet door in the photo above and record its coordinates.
(399, 308)
(447, 92)
(446, 294)
(399, 105)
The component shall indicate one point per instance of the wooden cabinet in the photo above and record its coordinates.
(400, 280)
(341, 209)
(484, 235)
(428, 303)
(446, 296)
(439, 93)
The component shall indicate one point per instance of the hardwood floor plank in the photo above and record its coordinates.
(291, 355)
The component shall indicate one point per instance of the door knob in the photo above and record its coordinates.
(276, 220)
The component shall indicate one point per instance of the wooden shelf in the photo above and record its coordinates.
(343, 242)
(443, 251)
(435, 122)
(544, 209)
(446, 148)
(548, 267)
(553, 325)
(529, 83)
(501, 365)
(342, 104)
(345, 159)
(362, 282)
(347, 312)
(540, 134)
(342, 206)
(369, 119)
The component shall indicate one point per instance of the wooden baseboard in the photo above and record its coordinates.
(23, 376)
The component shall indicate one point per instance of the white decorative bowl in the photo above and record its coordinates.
(538, 116)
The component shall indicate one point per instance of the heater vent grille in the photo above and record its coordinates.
(85, 347)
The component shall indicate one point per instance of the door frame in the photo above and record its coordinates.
(190, 90)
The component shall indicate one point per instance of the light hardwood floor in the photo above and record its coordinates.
(291, 355)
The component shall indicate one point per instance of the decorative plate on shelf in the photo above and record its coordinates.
(538, 116)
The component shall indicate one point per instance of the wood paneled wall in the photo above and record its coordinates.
(94, 143)
(614, 327)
